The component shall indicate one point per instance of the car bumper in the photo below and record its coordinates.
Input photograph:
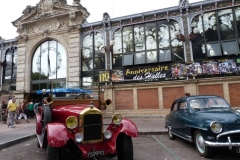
(228, 144)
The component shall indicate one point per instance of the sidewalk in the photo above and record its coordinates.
(24, 131)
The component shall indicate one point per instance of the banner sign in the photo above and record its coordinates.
(172, 70)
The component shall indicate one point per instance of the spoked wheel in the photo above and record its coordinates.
(170, 135)
(203, 150)
(124, 147)
(53, 153)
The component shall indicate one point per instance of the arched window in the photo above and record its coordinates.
(48, 63)
(10, 65)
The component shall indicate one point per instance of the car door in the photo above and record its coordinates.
(171, 116)
(181, 117)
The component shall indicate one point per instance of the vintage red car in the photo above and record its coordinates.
(74, 128)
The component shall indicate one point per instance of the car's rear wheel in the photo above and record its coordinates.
(202, 149)
(171, 136)
(53, 153)
(124, 147)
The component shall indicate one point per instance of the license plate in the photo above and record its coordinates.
(238, 149)
(95, 154)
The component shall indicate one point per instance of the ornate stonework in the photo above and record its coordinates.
(22, 38)
(46, 8)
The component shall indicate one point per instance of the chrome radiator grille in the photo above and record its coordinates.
(92, 127)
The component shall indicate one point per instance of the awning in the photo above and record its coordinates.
(66, 90)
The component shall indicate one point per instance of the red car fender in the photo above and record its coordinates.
(39, 121)
(127, 127)
(57, 134)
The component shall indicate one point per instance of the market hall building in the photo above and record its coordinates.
(143, 61)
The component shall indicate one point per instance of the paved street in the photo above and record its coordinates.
(146, 147)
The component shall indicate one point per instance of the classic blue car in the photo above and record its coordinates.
(207, 121)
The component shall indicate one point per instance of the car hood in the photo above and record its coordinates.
(220, 115)
(61, 113)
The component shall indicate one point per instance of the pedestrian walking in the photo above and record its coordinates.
(23, 111)
(11, 111)
(31, 109)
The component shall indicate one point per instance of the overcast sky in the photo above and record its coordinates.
(10, 10)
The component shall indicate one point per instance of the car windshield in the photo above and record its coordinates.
(208, 102)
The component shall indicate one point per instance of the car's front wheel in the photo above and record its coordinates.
(203, 150)
(171, 136)
(53, 153)
(124, 147)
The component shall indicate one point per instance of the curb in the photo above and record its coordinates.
(15, 141)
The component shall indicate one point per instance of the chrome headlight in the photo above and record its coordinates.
(107, 134)
(216, 127)
(116, 119)
(79, 137)
(71, 122)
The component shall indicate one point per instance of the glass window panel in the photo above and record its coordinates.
(87, 47)
(99, 44)
(44, 62)
(8, 73)
(211, 32)
(9, 59)
(139, 41)
(117, 47)
(177, 54)
(230, 48)
(164, 55)
(62, 62)
(197, 29)
(14, 74)
(99, 63)
(117, 61)
(15, 57)
(226, 25)
(152, 57)
(35, 87)
(36, 61)
(52, 62)
(127, 59)
(127, 39)
(87, 65)
(53, 44)
(44, 45)
(150, 32)
(163, 35)
(213, 49)
(139, 58)
(176, 25)
(43, 86)
(199, 51)
(237, 13)
(87, 81)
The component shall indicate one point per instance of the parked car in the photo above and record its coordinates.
(207, 121)
(73, 128)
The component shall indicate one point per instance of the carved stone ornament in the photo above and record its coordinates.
(43, 27)
(72, 18)
(22, 38)
(183, 4)
(73, 29)
(76, 2)
(20, 29)
(45, 8)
